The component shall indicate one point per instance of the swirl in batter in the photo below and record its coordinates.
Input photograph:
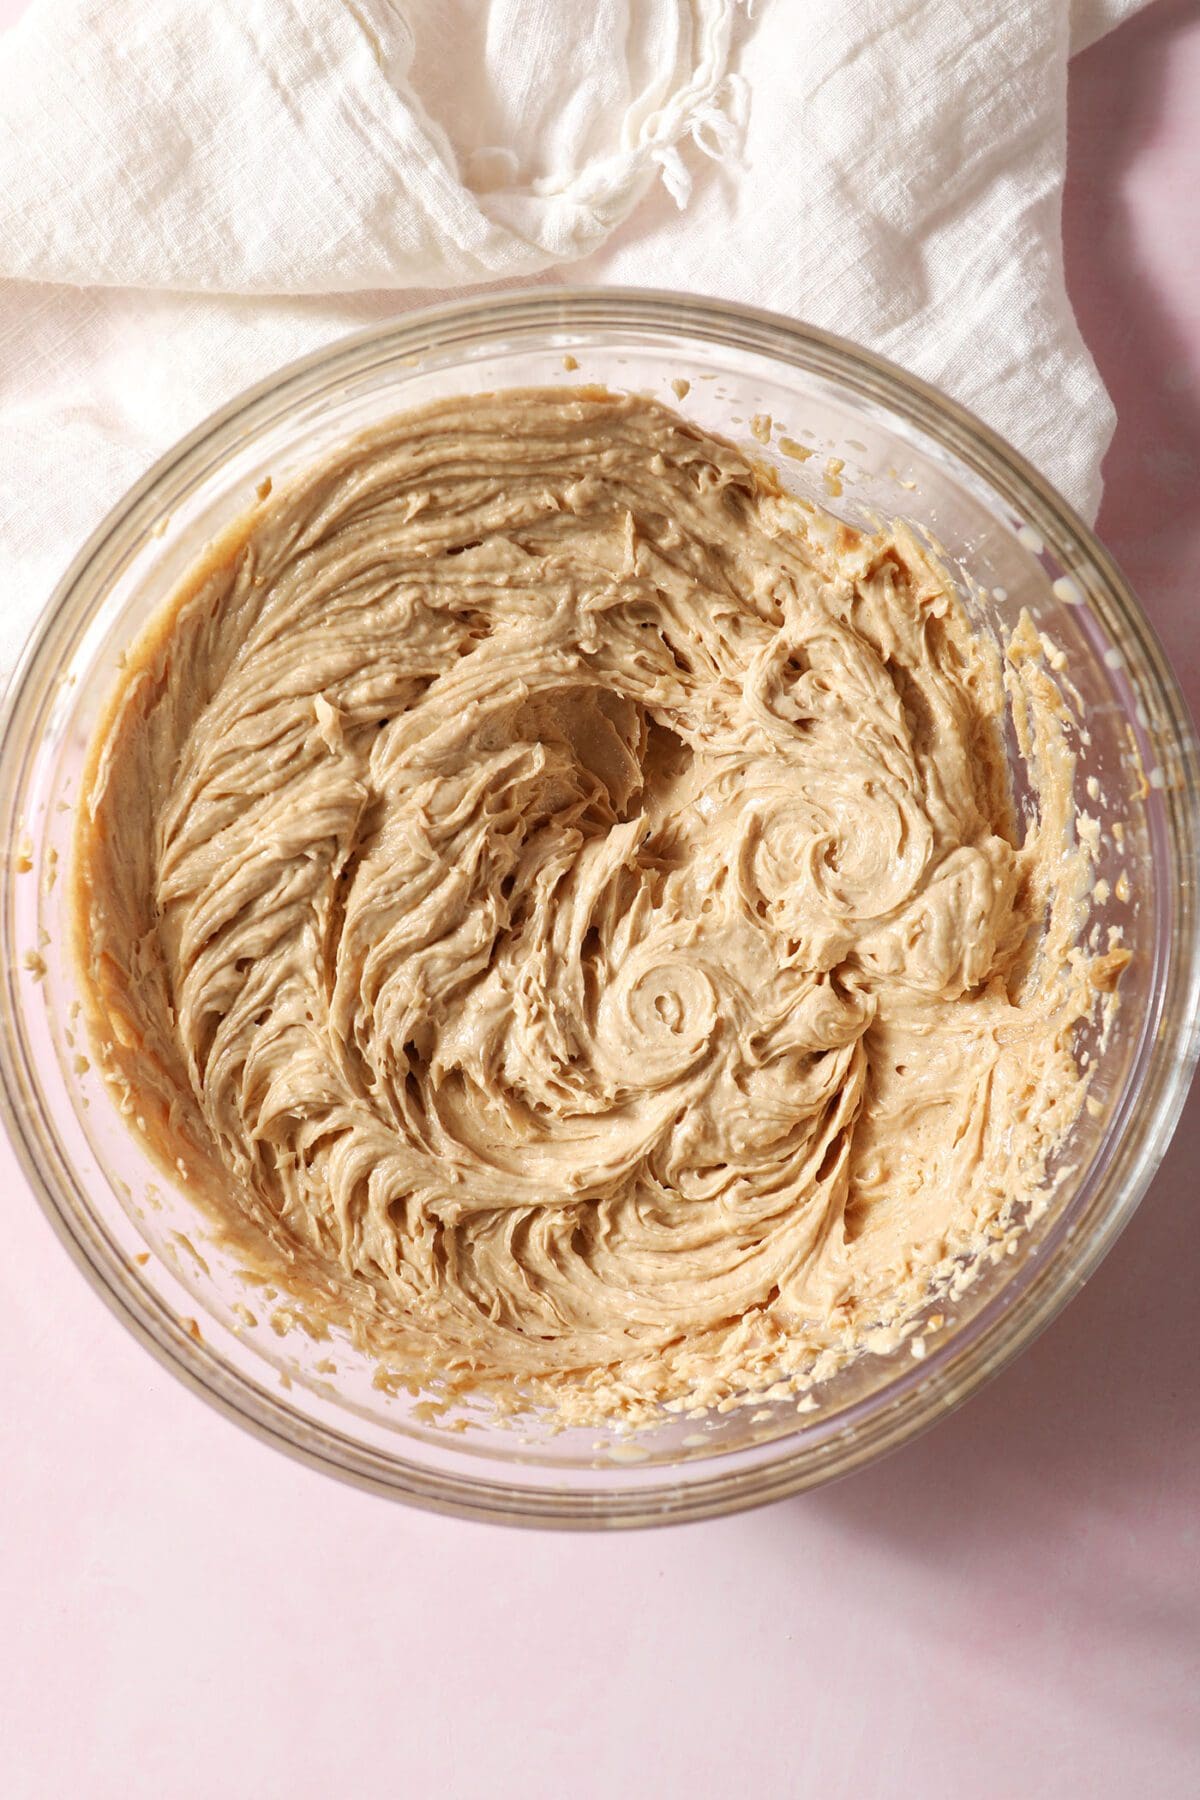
(566, 895)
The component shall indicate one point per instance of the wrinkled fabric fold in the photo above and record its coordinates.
(190, 197)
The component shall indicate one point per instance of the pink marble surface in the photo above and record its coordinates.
(1010, 1606)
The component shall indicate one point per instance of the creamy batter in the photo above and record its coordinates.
(565, 899)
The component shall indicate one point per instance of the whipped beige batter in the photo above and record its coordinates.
(566, 898)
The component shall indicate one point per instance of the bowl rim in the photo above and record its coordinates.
(952, 1372)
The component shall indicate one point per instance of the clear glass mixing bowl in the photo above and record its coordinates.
(897, 448)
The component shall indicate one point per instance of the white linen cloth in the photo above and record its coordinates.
(191, 194)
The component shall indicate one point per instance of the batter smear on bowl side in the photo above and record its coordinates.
(567, 899)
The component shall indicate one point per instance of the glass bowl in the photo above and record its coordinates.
(878, 443)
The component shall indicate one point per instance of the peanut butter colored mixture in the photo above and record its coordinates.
(565, 901)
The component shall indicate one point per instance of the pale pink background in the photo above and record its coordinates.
(1007, 1608)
